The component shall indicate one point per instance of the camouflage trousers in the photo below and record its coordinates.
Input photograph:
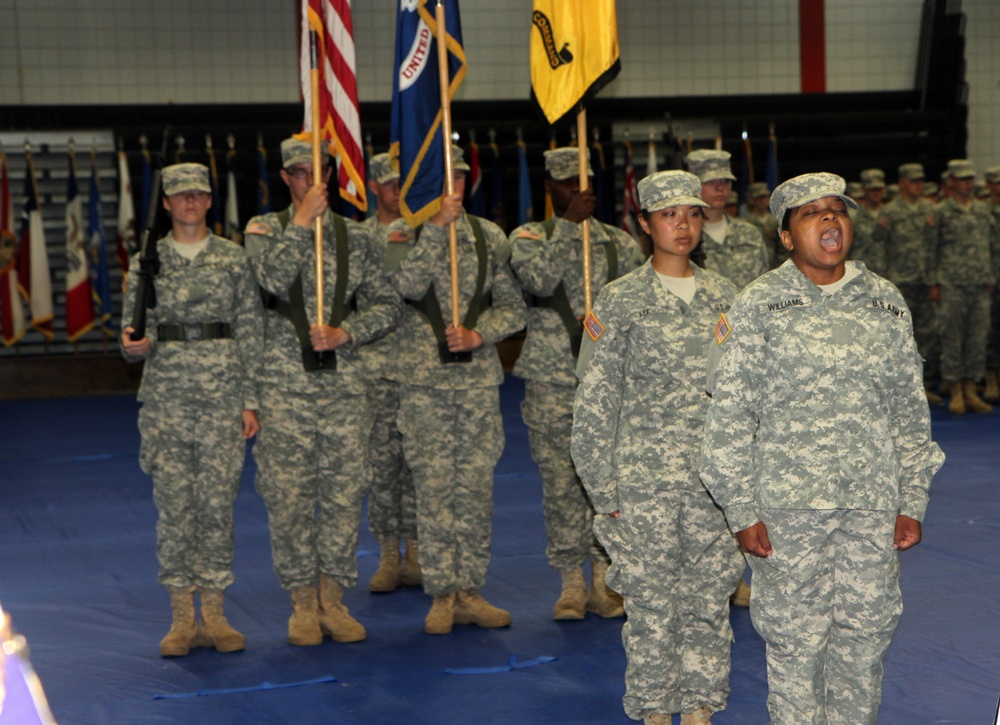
(312, 473)
(195, 455)
(452, 440)
(675, 562)
(965, 324)
(826, 602)
(547, 410)
(925, 326)
(392, 505)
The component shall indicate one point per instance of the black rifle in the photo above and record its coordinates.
(149, 256)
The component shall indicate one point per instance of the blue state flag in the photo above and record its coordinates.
(773, 173)
(99, 249)
(416, 137)
(525, 211)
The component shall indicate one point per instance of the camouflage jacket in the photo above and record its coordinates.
(768, 227)
(962, 245)
(868, 247)
(904, 230)
(279, 257)
(640, 407)
(818, 401)
(539, 265)
(216, 286)
(742, 257)
(427, 264)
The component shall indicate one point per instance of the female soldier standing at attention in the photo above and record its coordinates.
(637, 432)
(199, 401)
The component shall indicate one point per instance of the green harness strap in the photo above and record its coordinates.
(558, 301)
(431, 308)
(294, 310)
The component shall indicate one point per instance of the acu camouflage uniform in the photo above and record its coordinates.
(637, 432)
(541, 263)
(904, 230)
(742, 257)
(450, 412)
(767, 225)
(392, 505)
(961, 264)
(312, 450)
(193, 394)
(868, 245)
(819, 427)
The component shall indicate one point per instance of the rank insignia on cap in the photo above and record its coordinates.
(257, 228)
(593, 327)
(722, 329)
(398, 236)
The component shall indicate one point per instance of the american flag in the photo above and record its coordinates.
(340, 120)
(630, 201)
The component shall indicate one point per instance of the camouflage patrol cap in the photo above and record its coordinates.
(980, 190)
(961, 169)
(873, 179)
(564, 163)
(806, 188)
(992, 175)
(295, 151)
(458, 159)
(185, 177)
(931, 188)
(709, 164)
(912, 172)
(670, 188)
(757, 189)
(854, 189)
(383, 169)
(734, 198)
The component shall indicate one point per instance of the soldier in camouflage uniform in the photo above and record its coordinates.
(449, 412)
(904, 230)
(962, 281)
(637, 429)
(818, 447)
(199, 396)
(392, 505)
(868, 245)
(732, 247)
(546, 260)
(758, 214)
(992, 391)
(312, 469)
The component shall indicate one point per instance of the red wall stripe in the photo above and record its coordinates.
(812, 46)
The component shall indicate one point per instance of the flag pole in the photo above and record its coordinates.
(581, 141)
(317, 160)
(449, 174)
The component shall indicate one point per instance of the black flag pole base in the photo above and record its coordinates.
(314, 361)
(447, 356)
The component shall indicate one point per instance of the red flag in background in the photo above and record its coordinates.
(340, 120)
(79, 307)
(125, 245)
(12, 322)
(32, 259)
(630, 200)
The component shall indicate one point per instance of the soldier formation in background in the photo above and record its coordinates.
(387, 398)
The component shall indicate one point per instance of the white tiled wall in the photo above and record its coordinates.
(192, 51)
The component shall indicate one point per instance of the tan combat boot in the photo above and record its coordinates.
(972, 401)
(303, 625)
(701, 716)
(214, 627)
(442, 615)
(183, 634)
(470, 608)
(386, 578)
(932, 397)
(572, 603)
(411, 575)
(741, 597)
(992, 392)
(657, 718)
(334, 619)
(603, 601)
(957, 404)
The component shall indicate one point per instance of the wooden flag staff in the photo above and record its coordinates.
(449, 173)
(317, 164)
(581, 140)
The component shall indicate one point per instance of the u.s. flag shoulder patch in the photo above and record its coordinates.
(722, 329)
(257, 228)
(593, 326)
(397, 236)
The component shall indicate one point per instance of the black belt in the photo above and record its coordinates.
(196, 331)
